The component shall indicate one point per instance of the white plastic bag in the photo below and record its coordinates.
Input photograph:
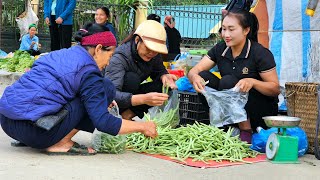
(106, 143)
(226, 107)
(25, 19)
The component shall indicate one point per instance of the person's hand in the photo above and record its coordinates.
(47, 21)
(245, 84)
(39, 46)
(169, 80)
(32, 44)
(155, 99)
(59, 20)
(198, 83)
(150, 129)
(113, 103)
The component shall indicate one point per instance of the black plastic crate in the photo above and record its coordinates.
(191, 109)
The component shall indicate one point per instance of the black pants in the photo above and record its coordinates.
(60, 35)
(170, 57)
(258, 105)
(35, 137)
(33, 52)
(133, 85)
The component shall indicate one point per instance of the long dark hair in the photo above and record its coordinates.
(247, 19)
(89, 29)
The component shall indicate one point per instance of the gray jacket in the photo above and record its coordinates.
(122, 62)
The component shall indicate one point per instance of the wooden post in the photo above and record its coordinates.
(262, 15)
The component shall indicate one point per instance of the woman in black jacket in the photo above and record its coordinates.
(132, 63)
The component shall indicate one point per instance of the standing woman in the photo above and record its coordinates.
(102, 16)
(66, 82)
(58, 15)
(133, 62)
(244, 63)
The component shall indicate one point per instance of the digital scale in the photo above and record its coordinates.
(280, 147)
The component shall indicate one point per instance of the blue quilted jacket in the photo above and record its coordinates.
(64, 9)
(53, 81)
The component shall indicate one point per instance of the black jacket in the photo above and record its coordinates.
(174, 40)
(125, 60)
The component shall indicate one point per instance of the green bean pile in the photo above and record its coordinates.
(198, 141)
(105, 143)
(168, 118)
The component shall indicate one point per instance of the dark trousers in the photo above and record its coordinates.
(60, 35)
(33, 52)
(133, 85)
(258, 105)
(35, 137)
(170, 57)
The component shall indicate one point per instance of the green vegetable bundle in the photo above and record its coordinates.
(169, 118)
(198, 141)
(20, 62)
(105, 143)
(167, 114)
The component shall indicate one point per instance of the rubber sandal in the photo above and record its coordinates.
(75, 150)
(16, 143)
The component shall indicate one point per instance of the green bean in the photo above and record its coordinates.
(105, 143)
(198, 141)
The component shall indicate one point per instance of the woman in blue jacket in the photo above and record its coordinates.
(30, 42)
(69, 81)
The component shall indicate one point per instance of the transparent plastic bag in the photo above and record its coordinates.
(168, 113)
(25, 19)
(226, 107)
(106, 143)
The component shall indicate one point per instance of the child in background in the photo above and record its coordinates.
(30, 42)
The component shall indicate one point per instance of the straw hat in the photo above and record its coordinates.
(153, 35)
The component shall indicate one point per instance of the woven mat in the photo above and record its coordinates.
(211, 164)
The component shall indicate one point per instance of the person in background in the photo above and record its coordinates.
(30, 42)
(243, 63)
(102, 16)
(237, 5)
(68, 81)
(132, 63)
(173, 38)
(154, 17)
(58, 15)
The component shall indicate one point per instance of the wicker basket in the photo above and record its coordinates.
(302, 101)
